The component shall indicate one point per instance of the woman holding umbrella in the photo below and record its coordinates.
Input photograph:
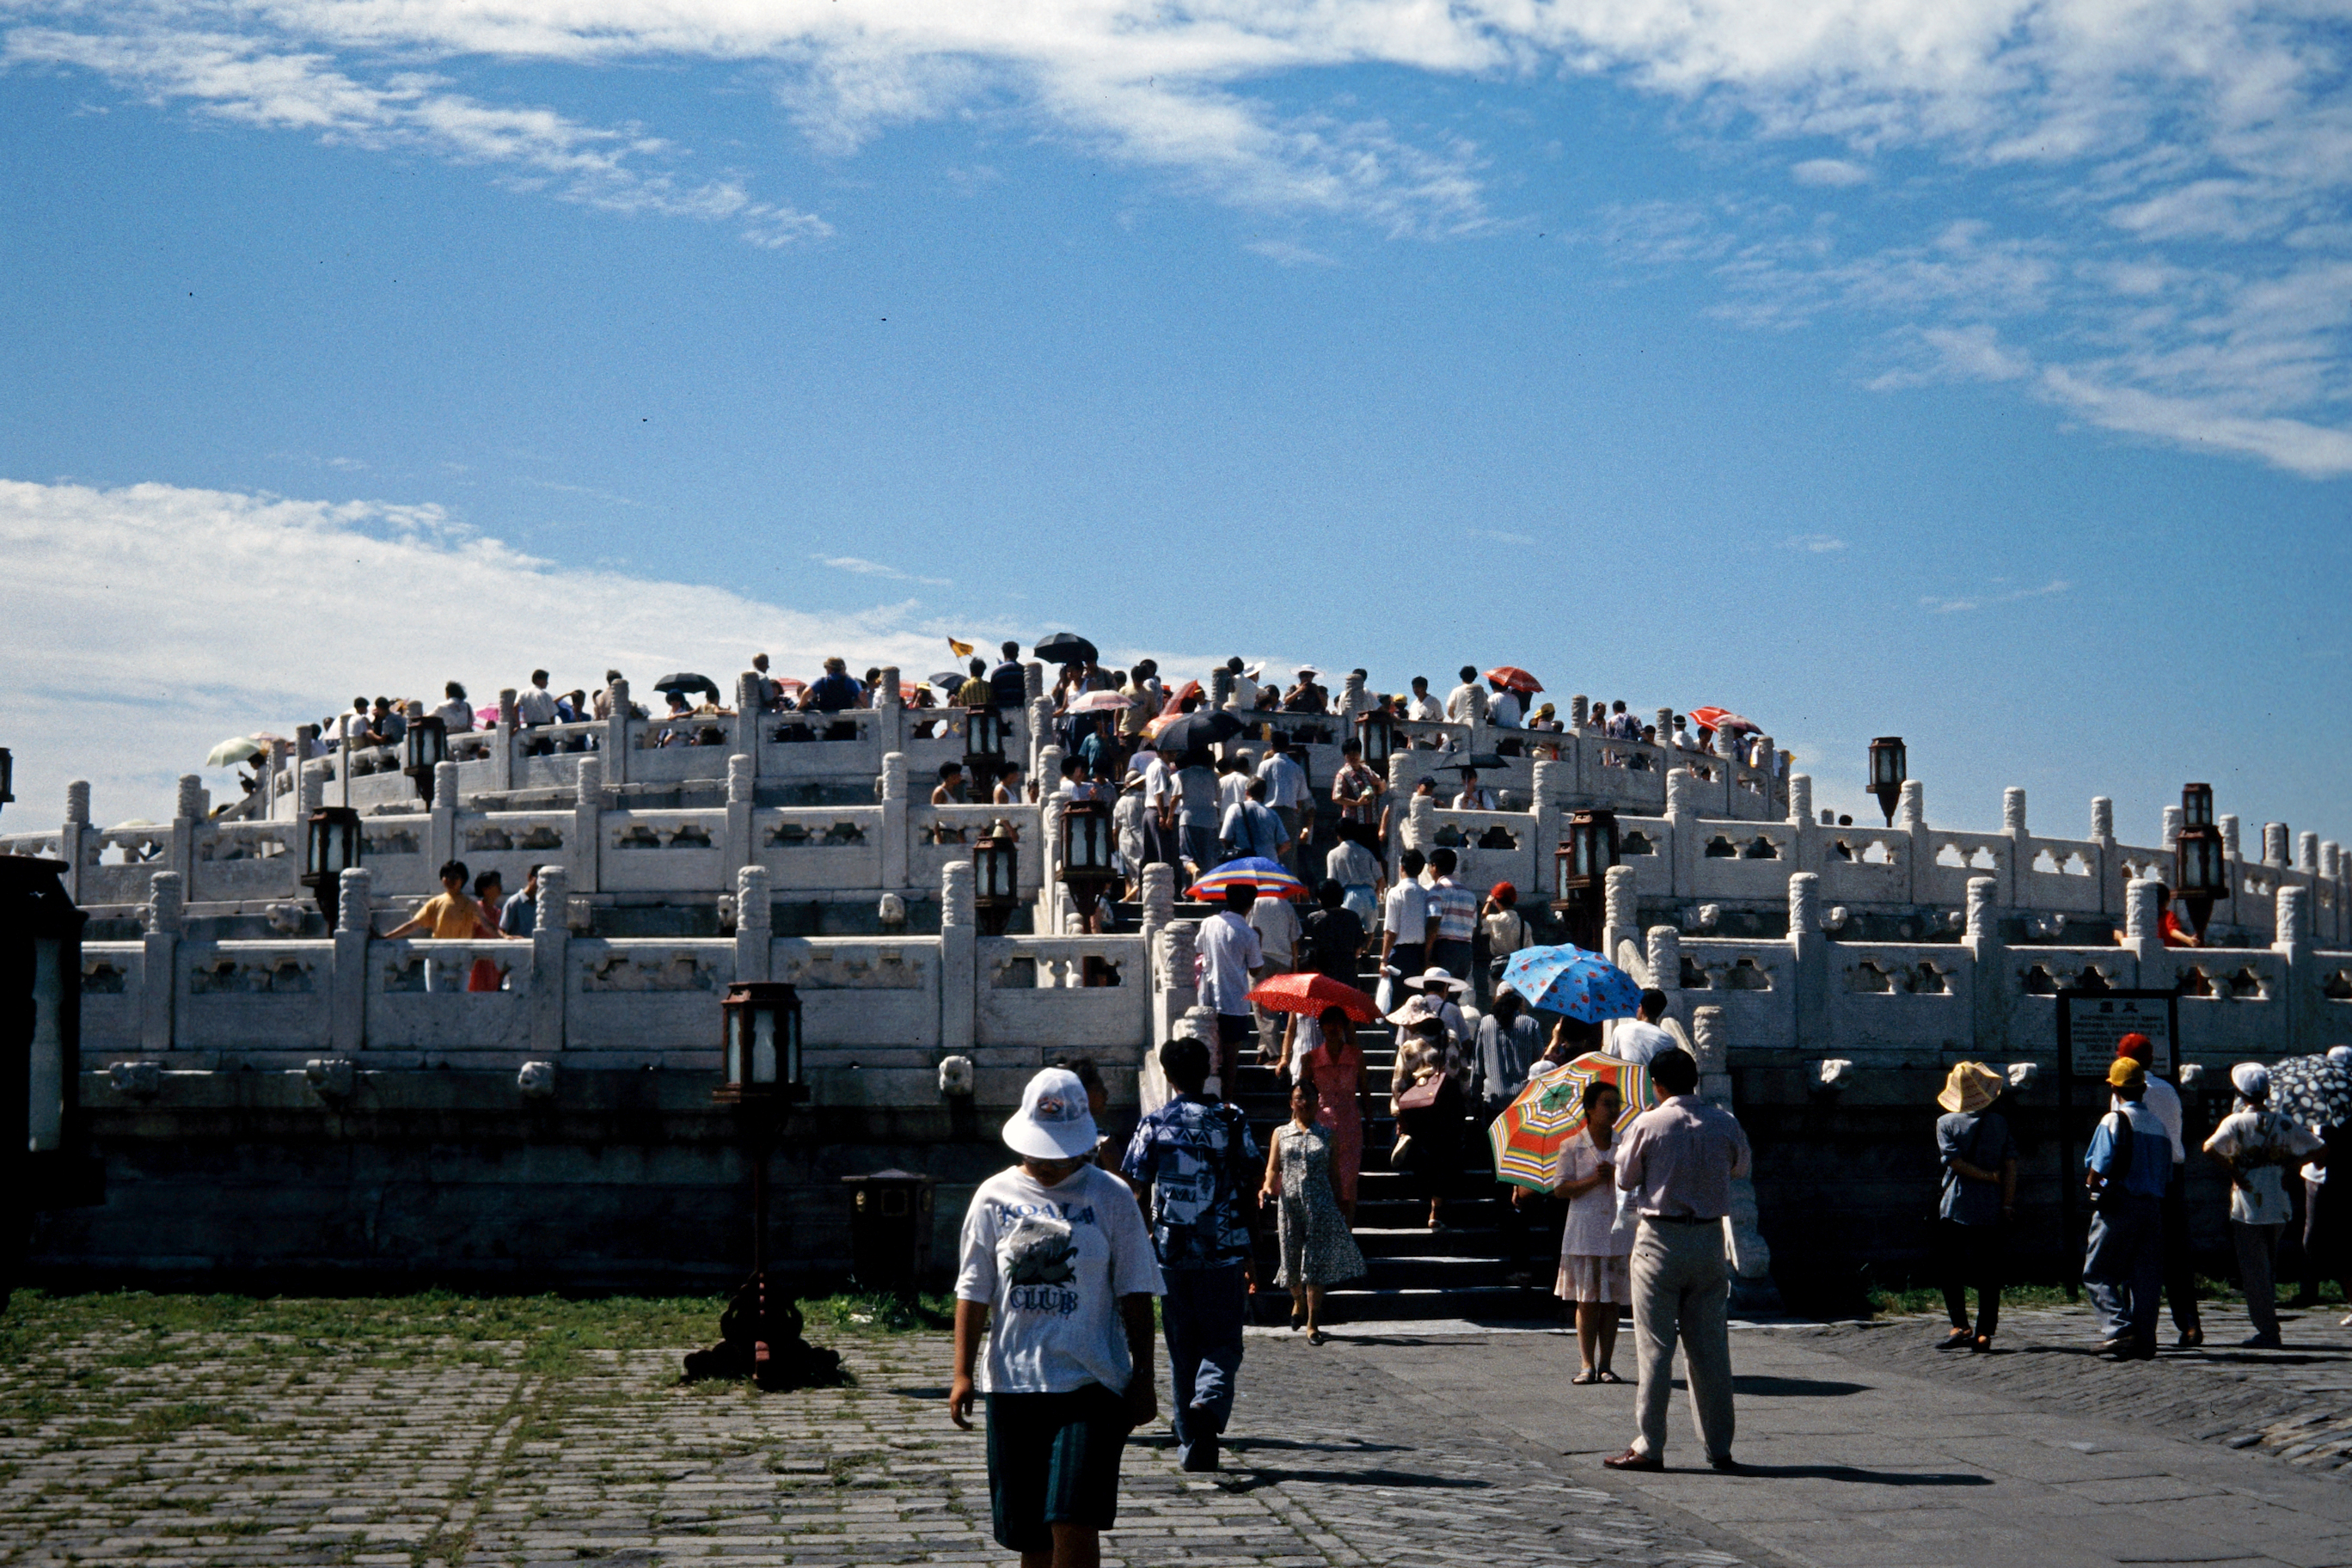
(1594, 1273)
(1337, 1067)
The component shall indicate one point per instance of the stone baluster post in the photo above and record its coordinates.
(1419, 829)
(158, 974)
(2306, 852)
(1041, 737)
(1911, 805)
(1352, 701)
(2292, 941)
(1050, 913)
(314, 793)
(1684, 836)
(1159, 908)
(2274, 842)
(2142, 934)
(2020, 848)
(742, 846)
(587, 824)
(2167, 831)
(889, 719)
(75, 841)
(1801, 800)
(1620, 920)
(550, 973)
(958, 958)
(1811, 950)
(354, 928)
(747, 718)
(441, 838)
(617, 734)
(1911, 818)
(1175, 977)
(1221, 688)
(755, 923)
(1545, 810)
(2229, 825)
(2333, 923)
(187, 821)
(1989, 987)
(897, 833)
(502, 748)
(1664, 958)
(2012, 812)
(1579, 708)
(1808, 831)
(2103, 834)
(1033, 680)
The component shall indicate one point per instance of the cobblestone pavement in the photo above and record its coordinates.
(220, 1449)
(2293, 1404)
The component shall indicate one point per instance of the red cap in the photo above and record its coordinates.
(2136, 1046)
(1504, 893)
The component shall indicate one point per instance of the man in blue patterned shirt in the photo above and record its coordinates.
(1194, 1162)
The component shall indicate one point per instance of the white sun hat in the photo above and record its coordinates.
(1055, 1122)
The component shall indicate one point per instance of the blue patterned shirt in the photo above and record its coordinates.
(1194, 1154)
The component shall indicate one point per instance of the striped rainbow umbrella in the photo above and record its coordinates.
(1270, 881)
(1526, 1138)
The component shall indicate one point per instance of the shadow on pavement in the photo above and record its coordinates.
(1250, 1479)
(1856, 1473)
(1764, 1387)
(1238, 1444)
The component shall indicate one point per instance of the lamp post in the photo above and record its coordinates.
(1580, 872)
(1377, 731)
(1086, 845)
(1890, 764)
(983, 744)
(424, 747)
(2200, 872)
(331, 846)
(44, 1149)
(996, 876)
(760, 1332)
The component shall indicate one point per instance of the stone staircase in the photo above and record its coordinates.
(1460, 1271)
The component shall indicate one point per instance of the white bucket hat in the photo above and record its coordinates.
(2251, 1078)
(1437, 974)
(1055, 1122)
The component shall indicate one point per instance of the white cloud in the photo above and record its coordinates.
(1289, 253)
(1502, 537)
(1829, 172)
(1953, 606)
(863, 568)
(1816, 544)
(144, 624)
(2118, 189)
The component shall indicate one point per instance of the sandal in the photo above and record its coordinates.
(1605, 1375)
(1586, 1376)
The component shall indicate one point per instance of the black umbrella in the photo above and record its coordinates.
(2312, 1090)
(688, 683)
(1483, 760)
(948, 681)
(1066, 648)
(1198, 732)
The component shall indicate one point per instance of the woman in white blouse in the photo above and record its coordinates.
(1594, 1269)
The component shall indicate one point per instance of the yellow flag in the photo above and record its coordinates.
(961, 649)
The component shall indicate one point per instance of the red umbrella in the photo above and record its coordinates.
(1721, 719)
(1513, 679)
(1310, 993)
(1175, 703)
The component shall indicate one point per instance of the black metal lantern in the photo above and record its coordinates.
(761, 1033)
(2197, 805)
(44, 1153)
(331, 846)
(996, 876)
(1890, 764)
(423, 749)
(7, 776)
(1087, 844)
(2200, 869)
(1377, 731)
(1580, 872)
(983, 744)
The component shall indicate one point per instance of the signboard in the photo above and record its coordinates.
(2091, 1022)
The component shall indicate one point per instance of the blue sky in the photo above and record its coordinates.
(1976, 373)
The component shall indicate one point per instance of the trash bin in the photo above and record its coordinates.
(889, 1230)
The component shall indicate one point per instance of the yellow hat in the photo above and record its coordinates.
(1970, 1087)
(2124, 1072)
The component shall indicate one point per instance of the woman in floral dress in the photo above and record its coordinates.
(1317, 1248)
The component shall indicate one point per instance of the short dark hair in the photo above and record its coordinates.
(1330, 895)
(453, 869)
(1469, 672)
(1507, 1004)
(1241, 895)
(1280, 740)
(1675, 1072)
(1442, 861)
(611, 676)
(1256, 789)
(453, 690)
(979, 667)
(1653, 1003)
(949, 769)
(1420, 680)
(539, 676)
(486, 880)
(1011, 650)
(1185, 1060)
(1411, 862)
(1351, 747)
(1594, 1091)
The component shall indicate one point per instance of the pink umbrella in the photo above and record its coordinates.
(486, 716)
(1099, 702)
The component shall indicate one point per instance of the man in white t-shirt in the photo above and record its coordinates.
(1459, 701)
(1245, 693)
(1230, 951)
(1277, 924)
(1422, 707)
(1505, 707)
(1404, 921)
(1056, 1273)
(1639, 1039)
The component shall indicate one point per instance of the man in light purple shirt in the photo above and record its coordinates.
(1678, 1161)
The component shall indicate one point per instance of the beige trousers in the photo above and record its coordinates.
(1682, 1288)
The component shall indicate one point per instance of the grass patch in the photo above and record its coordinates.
(879, 1314)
